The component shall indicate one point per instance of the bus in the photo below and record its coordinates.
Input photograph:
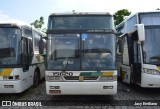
(138, 49)
(81, 54)
(21, 64)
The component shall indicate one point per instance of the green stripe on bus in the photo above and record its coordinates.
(85, 74)
(96, 73)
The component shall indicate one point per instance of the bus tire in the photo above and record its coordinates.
(36, 78)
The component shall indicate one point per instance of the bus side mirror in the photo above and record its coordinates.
(25, 57)
(141, 32)
(41, 46)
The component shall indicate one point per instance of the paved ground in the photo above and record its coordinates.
(126, 98)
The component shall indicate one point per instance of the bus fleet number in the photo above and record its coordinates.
(62, 74)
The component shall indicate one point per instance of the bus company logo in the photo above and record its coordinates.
(6, 103)
(38, 57)
(81, 78)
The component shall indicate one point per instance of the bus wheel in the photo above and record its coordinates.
(36, 78)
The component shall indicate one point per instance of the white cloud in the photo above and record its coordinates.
(6, 19)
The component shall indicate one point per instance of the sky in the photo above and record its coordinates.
(27, 11)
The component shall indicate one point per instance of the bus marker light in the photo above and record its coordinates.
(110, 87)
(5, 86)
(107, 87)
(11, 86)
(4, 77)
(54, 87)
(8, 86)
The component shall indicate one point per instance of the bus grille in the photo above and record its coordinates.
(84, 77)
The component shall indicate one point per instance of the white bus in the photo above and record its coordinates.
(139, 49)
(81, 54)
(21, 64)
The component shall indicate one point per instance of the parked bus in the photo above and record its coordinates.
(21, 64)
(81, 54)
(139, 49)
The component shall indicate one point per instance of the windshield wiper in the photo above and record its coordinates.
(155, 59)
(97, 51)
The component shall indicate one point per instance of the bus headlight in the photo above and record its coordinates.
(54, 78)
(151, 71)
(108, 78)
(15, 77)
(5, 77)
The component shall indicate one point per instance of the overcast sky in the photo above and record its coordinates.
(30, 10)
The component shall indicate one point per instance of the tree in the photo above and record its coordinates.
(38, 23)
(119, 15)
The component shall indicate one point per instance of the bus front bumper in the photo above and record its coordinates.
(81, 88)
(150, 80)
(11, 87)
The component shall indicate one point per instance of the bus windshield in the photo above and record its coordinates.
(150, 18)
(151, 47)
(98, 51)
(80, 22)
(9, 46)
(81, 51)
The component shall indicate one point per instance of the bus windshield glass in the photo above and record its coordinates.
(81, 51)
(80, 22)
(150, 18)
(9, 46)
(98, 51)
(151, 47)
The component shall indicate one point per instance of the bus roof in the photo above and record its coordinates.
(80, 13)
(137, 13)
(20, 25)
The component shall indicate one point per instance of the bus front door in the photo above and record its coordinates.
(136, 62)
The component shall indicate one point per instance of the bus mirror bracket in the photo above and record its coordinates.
(141, 32)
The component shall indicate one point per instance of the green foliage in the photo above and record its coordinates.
(44, 30)
(38, 23)
(119, 15)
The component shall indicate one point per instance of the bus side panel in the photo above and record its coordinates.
(38, 61)
(126, 74)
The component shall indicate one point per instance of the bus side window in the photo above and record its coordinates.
(37, 38)
(125, 54)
